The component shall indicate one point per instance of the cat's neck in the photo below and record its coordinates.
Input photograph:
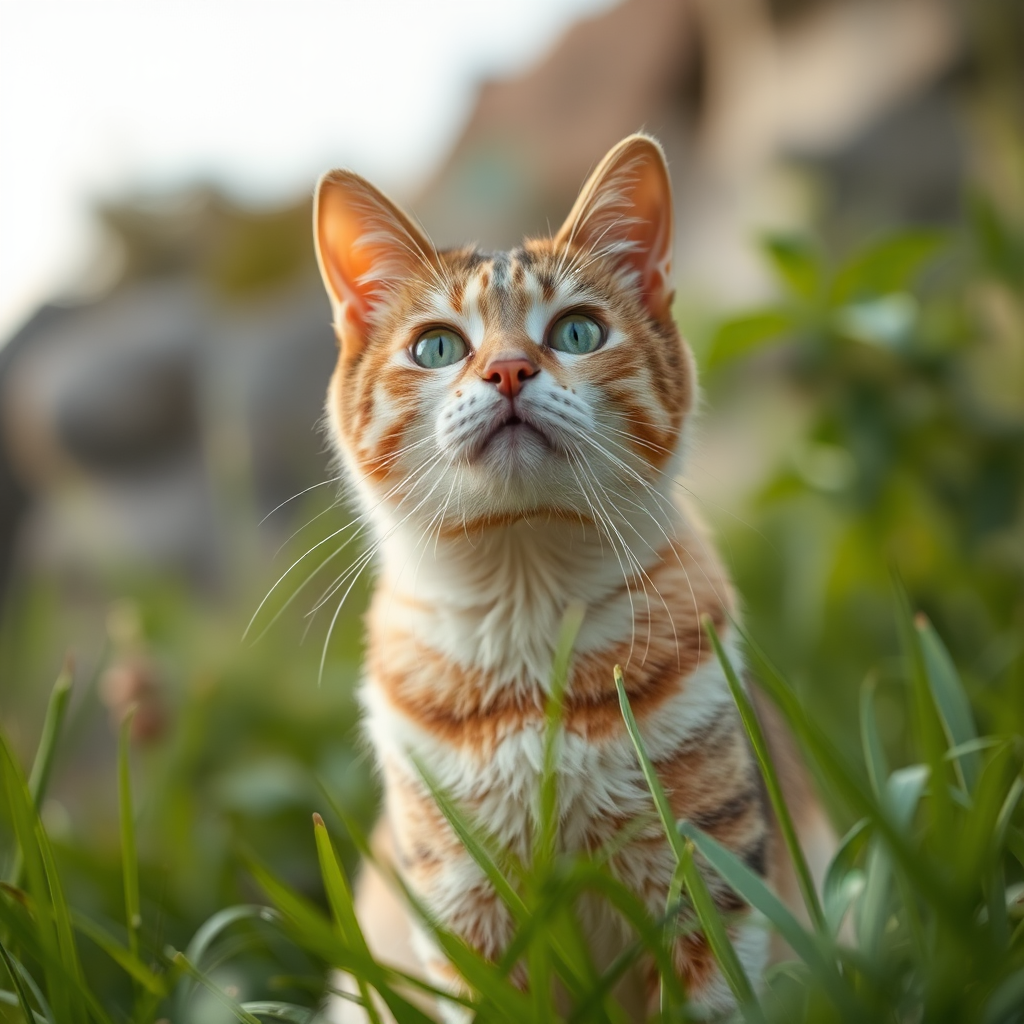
(496, 597)
(574, 558)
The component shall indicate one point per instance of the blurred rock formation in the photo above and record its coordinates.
(210, 355)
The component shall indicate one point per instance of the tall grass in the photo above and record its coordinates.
(929, 879)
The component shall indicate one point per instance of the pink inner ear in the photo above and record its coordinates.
(625, 210)
(365, 244)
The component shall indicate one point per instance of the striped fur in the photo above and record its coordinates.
(485, 531)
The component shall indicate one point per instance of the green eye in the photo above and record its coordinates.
(439, 347)
(575, 333)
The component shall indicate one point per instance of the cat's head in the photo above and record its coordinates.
(475, 388)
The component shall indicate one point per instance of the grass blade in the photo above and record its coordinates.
(129, 853)
(844, 882)
(871, 742)
(661, 804)
(717, 937)
(46, 752)
(475, 845)
(239, 1012)
(930, 733)
(707, 912)
(20, 992)
(339, 897)
(815, 951)
(129, 962)
(547, 833)
(849, 787)
(771, 779)
(948, 693)
(281, 1011)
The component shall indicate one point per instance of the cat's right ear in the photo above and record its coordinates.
(365, 246)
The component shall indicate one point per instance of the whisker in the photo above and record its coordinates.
(312, 487)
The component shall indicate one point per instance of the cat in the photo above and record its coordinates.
(514, 425)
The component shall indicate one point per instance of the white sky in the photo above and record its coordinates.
(258, 96)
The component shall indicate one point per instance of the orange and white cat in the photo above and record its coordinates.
(513, 425)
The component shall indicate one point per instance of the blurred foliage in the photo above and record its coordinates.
(906, 361)
(237, 251)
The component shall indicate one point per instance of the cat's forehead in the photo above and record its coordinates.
(504, 285)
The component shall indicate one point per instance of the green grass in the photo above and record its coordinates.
(929, 875)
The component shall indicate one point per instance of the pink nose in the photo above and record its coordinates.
(507, 375)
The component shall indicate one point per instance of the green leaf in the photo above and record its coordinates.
(930, 734)
(951, 699)
(211, 928)
(661, 804)
(547, 833)
(595, 878)
(128, 961)
(844, 882)
(20, 992)
(717, 937)
(871, 742)
(46, 752)
(63, 977)
(741, 335)
(885, 267)
(901, 795)
(794, 260)
(476, 845)
(240, 1014)
(848, 786)
(1001, 250)
(816, 951)
(280, 1011)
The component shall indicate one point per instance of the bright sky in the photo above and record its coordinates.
(259, 96)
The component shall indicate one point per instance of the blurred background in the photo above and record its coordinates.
(849, 179)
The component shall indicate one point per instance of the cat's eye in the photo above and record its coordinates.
(439, 347)
(576, 333)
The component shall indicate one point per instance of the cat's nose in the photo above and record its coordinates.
(507, 374)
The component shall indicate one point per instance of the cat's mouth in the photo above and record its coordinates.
(511, 433)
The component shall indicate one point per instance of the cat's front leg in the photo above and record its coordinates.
(449, 886)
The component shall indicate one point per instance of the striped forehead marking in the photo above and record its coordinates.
(505, 291)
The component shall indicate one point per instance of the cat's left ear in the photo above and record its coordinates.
(624, 213)
(365, 246)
